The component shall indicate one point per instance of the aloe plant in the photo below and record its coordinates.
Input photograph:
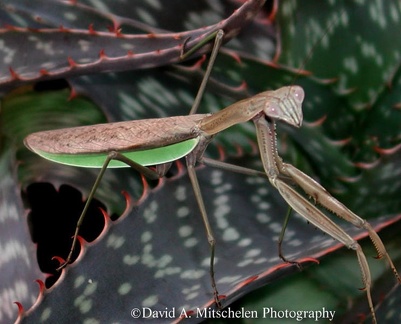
(153, 253)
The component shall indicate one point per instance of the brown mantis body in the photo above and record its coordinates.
(115, 142)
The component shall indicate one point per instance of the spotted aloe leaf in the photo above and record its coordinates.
(162, 257)
(77, 50)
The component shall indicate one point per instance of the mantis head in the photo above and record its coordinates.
(285, 104)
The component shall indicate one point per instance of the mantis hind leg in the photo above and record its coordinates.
(148, 173)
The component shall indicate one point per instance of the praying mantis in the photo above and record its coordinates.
(158, 142)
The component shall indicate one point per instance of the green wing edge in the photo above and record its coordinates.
(146, 157)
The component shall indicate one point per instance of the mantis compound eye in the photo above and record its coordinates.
(298, 93)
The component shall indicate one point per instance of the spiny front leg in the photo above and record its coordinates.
(313, 215)
(279, 173)
(323, 197)
(275, 166)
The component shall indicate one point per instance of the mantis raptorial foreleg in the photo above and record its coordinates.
(320, 195)
(280, 173)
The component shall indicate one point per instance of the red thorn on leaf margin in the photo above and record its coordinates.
(43, 72)
(144, 194)
(71, 62)
(318, 122)
(92, 31)
(128, 202)
(307, 259)
(222, 152)
(366, 165)
(62, 29)
(254, 147)
(180, 167)
(119, 33)
(9, 27)
(14, 74)
(274, 11)
(73, 94)
(388, 151)
(42, 286)
(102, 54)
(341, 142)
(80, 239)
(115, 29)
(59, 259)
(20, 311)
(235, 56)
(242, 87)
(239, 149)
(198, 63)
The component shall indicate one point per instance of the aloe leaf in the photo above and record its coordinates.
(75, 51)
